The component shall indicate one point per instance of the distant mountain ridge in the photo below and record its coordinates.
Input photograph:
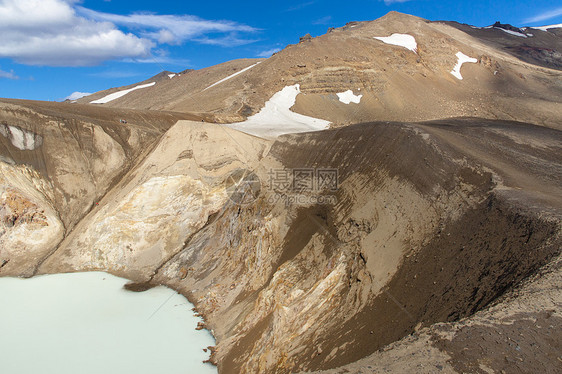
(395, 83)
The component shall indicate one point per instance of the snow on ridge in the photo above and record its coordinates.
(348, 97)
(171, 75)
(76, 95)
(276, 117)
(462, 58)
(511, 32)
(402, 40)
(232, 76)
(118, 94)
(20, 138)
(545, 28)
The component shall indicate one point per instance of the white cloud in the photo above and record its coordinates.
(49, 32)
(390, 2)
(76, 95)
(117, 74)
(174, 29)
(549, 14)
(322, 21)
(60, 33)
(268, 53)
(300, 6)
(227, 41)
(158, 60)
(8, 74)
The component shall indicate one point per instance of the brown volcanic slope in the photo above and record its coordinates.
(542, 48)
(396, 84)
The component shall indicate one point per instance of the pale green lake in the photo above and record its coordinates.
(87, 323)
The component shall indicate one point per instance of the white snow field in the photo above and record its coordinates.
(232, 76)
(462, 58)
(276, 117)
(402, 40)
(20, 138)
(348, 97)
(87, 323)
(545, 28)
(171, 75)
(118, 94)
(511, 32)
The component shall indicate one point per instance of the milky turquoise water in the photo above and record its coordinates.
(87, 323)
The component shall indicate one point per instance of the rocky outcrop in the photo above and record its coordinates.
(30, 225)
(57, 161)
(155, 209)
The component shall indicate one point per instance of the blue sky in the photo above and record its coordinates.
(51, 48)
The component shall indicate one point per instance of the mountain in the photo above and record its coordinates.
(396, 84)
(533, 45)
(423, 219)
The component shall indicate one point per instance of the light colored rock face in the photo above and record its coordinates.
(146, 227)
(159, 205)
(55, 168)
(29, 225)
(80, 151)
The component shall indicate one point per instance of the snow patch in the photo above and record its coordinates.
(402, 40)
(348, 97)
(231, 76)
(118, 94)
(545, 28)
(20, 138)
(276, 117)
(171, 75)
(511, 32)
(462, 58)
